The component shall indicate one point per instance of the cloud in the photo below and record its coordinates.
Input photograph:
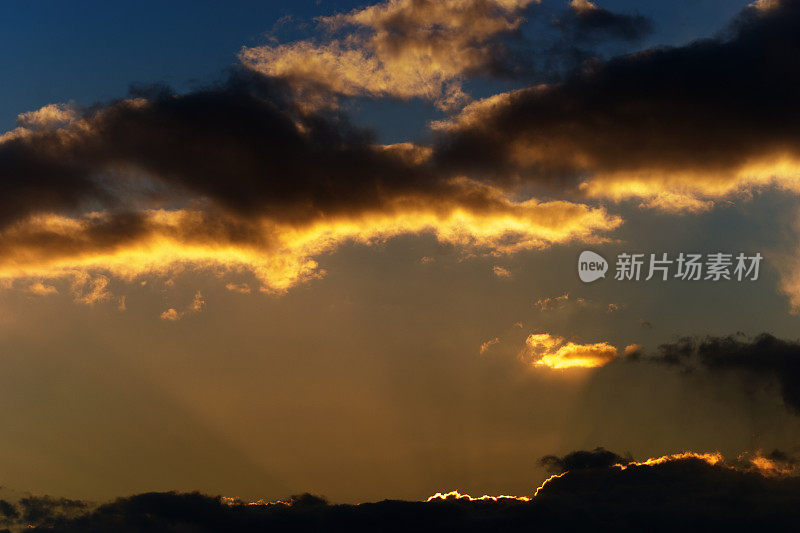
(49, 117)
(261, 183)
(585, 20)
(171, 315)
(595, 490)
(255, 184)
(764, 356)
(241, 288)
(398, 48)
(579, 460)
(501, 272)
(47, 511)
(8, 512)
(543, 349)
(681, 488)
(88, 289)
(552, 302)
(632, 349)
(674, 127)
(559, 303)
(40, 289)
(774, 464)
(280, 254)
(456, 496)
(197, 304)
(488, 344)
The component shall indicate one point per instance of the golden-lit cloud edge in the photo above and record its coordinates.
(755, 462)
(678, 189)
(556, 353)
(280, 255)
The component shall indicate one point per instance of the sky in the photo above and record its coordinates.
(263, 248)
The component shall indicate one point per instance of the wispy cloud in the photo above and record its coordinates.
(398, 48)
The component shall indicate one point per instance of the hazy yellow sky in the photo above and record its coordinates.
(258, 285)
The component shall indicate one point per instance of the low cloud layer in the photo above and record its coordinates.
(592, 491)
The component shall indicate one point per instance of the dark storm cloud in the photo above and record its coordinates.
(694, 115)
(764, 356)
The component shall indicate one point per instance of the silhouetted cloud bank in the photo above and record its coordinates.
(595, 490)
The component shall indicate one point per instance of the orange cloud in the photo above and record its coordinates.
(632, 349)
(281, 255)
(170, 314)
(88, 289)
(488, 344)
(582, 5)
(197, 304)
(543, 349)
(552, 302)
(770, 466)
(713, 458)
(40, 289)
(546, 481)
(501, 272)
(241, 288)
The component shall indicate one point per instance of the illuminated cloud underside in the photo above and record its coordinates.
(671, 188)
(455, 495)
(543, 349)
(280, 255)
(755, 462)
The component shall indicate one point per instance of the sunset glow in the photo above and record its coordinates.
(399, 265)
